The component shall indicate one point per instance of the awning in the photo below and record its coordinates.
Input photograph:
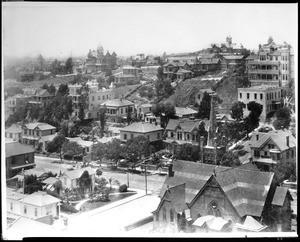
(200, 221)
(22, 166)
(31, 138)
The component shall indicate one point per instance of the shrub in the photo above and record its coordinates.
(77, 157)
(68, 208)
(123, 188)
(98, 172)
(67, 156)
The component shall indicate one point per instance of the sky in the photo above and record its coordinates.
(65, 29)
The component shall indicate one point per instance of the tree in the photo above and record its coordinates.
(283, 118)
(237, 111)
(32, 184)
(63, 89)
(98, 151)
(230, 159)
(71, 148)
(85, 181)
(204, 107)
(114, 149)
(69, 65)
(128, 117)
(56, 144)
(252, 121)
(113, 181)
(137, 148)
(284, 170)
(52, 89)
(165, 111)
(102, 119)
(187, 152)
(18, 116)
(163, 87)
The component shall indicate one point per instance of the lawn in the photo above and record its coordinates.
(112, 198)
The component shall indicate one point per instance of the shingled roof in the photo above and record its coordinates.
(246, 189)
(15, 148)
(142, 127)
(280, 194)
(117, 103)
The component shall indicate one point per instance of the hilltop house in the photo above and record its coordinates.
(229, 62)
(199, 95)
(15, 101)
(40, 98)
(70, 179)
(18, 157)
(185, 112)
(150, 131)
(199, 194)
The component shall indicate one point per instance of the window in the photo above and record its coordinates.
(278, 156)
(248, 95)
(103, 97)
(121, 110)
(199, 96)
(11, 206)
(131, 136)
(188, 137)
(125, 136)
(171, 215)
(157, 216)
(261, 96)
(93, 98)
(25, 209)
(287, 154)
(241, 95)
(266, 153)
(255, 95)
(256, 153)
(164, 214)
(25, 131)
(35, 212)
(10, 135)
(270, 146)
(292, 153)
(275, 94)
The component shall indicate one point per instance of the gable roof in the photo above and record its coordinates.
(210, 61)
(41, 126)
(233, 57)
(278, 137)
(280, 194)
(251, 224)
(15, 148)
(141, 127)
(40, 199)
(246, 189)
(206, 56)
(78, 172)
(117, 103)
(175, 195)
(42, 93)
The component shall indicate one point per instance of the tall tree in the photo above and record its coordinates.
(252, 121)
(56, 144)
(102, 119)
(63, 89)
(71, 148)
(165, 111)
(204, 107)
(69, 65)
(237, 111)
(283, 118)
(137, 148)
(85, 182)
(128, 117)
(114, 150)
(98, 151)
(187, 152)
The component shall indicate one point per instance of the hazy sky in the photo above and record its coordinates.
(59, 29)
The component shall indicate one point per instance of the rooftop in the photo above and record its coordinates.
(233, 57)
(41, 126)
(181, 111)
(142, 127)
(15, 148)
(40, 199)
(117, 103)
(259, 88)
(78, 172)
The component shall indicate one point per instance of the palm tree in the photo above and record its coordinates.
(113, 181)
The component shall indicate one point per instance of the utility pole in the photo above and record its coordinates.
(146, 177)
(127, 179)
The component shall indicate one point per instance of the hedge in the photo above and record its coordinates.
(68, 208)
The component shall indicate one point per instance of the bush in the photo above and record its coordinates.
(67, 156)
(98, 172)
(68, 208)
(77, 157)
(123, 188)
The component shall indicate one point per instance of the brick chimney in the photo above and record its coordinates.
(170, 170)
(287, 141)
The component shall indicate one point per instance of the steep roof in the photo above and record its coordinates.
(246, 189)
(15, 148)
(78, 172)
(42, 93)
(175, 195)
(40, 199)
(117, 103)
(185, 124)
(142, 127)
(278, 137)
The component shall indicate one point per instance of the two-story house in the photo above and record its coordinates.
(40, 98)
(183, 131)
(185, 112)
(270, 97)
(143, 109)
(150, 131)
(128, 74)
(18, 157)
(230, 62)
(268, 149)
(15, 101)
(36, 133)
(117, 109)
(200, 93)
(14, 132)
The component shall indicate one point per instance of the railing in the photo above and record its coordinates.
(260, 71)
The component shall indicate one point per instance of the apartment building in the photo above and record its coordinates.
(13, 102)
(73, 93)
(273, 65)
(270, 97)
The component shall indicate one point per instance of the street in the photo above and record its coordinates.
(154, 182)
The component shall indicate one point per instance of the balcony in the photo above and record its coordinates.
(260, 71)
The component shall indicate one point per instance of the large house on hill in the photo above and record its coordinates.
(194, 196)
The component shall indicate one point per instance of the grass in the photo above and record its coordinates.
(112, 198)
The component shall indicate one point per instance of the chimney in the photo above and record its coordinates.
(250, 159)
(201, 149)
(257, 136)
(170, 170)
(287, 141)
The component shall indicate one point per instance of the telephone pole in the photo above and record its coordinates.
(146, 177)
